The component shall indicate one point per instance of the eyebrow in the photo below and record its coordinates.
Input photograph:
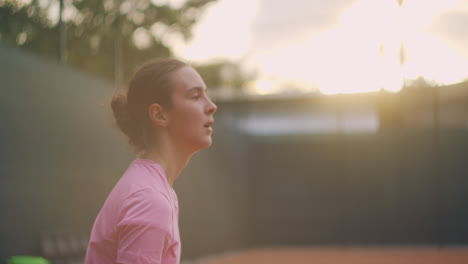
(198, 88)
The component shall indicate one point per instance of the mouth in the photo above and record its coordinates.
(209, 124)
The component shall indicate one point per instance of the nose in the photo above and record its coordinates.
(211, 109)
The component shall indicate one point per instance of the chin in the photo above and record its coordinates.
(203, 144)
(207, 143)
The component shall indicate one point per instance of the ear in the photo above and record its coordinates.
(157, 115)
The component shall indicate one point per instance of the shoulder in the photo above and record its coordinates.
(145, 204)
(143, 196)
(138, 182)
(142, 174)
(146, 209)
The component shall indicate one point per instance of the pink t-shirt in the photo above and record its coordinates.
(138, 223)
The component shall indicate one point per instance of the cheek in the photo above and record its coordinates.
(188, 115)
(185, 118)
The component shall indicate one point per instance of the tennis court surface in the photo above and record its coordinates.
(345, 255)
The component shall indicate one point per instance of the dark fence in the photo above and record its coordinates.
(383, 169)
(360, 189)
(59, 153)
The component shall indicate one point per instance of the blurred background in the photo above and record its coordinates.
(339, 123)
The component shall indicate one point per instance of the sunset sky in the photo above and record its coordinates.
(336, 46)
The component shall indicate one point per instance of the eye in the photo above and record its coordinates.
(196, 96)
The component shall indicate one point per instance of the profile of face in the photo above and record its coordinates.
(190, 118)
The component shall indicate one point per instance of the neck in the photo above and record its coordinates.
(170, 158)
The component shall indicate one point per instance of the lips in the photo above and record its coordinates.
(209, 124)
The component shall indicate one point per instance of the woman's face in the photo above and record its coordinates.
(190, 117)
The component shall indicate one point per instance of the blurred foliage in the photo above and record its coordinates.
(419, 83)
(224, 74)
(28, 26)
(146, 29)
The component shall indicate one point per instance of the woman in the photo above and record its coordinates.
(167, 116)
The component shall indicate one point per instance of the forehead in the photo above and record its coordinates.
(186, 78)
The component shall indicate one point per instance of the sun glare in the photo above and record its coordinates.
(372, 45)
(262, 87)
(222, 31)
(375, 46)
(426, 54)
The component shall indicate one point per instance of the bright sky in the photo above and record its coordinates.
(336, 46)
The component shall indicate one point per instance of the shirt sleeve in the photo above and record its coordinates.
(144, 228)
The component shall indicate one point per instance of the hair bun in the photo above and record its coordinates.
(122, 115)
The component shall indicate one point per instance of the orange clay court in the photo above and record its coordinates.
(347, 255)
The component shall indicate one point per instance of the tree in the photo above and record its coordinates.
(224, 74)
(97, 31)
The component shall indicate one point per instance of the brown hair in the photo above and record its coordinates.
(150, 84)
